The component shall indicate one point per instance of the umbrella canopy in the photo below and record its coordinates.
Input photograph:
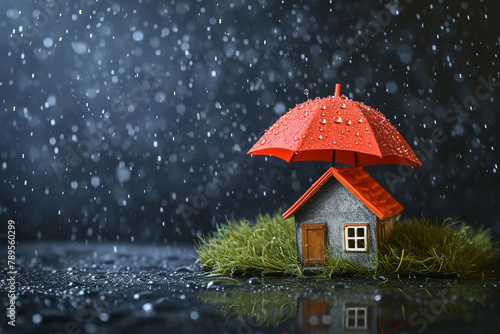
(335, 129)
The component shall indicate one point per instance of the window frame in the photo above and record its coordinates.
(356, 317)
(365, 226)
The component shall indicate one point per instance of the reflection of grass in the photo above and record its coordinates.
(271, 307)
(268, 308)
(414, 247)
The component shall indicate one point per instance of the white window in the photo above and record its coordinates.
(356, 237)
(356, 318)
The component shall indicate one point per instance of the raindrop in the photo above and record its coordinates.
(123, 174)
(338, 120)
(360, 120)
(95, 181)
(37, 318)
(138, 36)
(306, 92)
(79, 47)
(148, 307)
(263, 141)
(320, 137)
(343, 106)
(13, 13)
(48, 42)
(348, 122)
(307, 113)
(357, 134)
(323, 107)
(300, 106)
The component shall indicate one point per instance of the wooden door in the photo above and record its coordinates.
(313, 243)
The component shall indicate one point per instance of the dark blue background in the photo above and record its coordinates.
(88, 88)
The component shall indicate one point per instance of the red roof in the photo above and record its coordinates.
(361, 185)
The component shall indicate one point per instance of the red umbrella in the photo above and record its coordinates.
(335, 129)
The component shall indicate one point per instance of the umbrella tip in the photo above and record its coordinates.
(337, 91)
(306, 92)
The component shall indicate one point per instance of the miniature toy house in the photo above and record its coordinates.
(348, 212)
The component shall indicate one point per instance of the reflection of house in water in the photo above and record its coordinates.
(312, 314)
(318, 308)
(341, 316)
(336, 316)
(356, 318)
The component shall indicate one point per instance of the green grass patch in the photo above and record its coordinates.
(415, 247)
(240, 248)
(419, 246)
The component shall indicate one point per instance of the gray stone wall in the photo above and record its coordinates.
(335, 205)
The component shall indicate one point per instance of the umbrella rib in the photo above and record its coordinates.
(373, 134)
(305, 130)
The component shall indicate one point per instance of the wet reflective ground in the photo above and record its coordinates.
(100, 288)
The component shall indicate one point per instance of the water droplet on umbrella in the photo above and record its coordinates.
(300, 106)
(323, 107)
(338, 120)
(348, 122)
(294, 137)
(263, 141)
(323, 121)
(357, 134)
(307, 113)
(306, 92)
(343, 106)
(320, 137)
(360, 120)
